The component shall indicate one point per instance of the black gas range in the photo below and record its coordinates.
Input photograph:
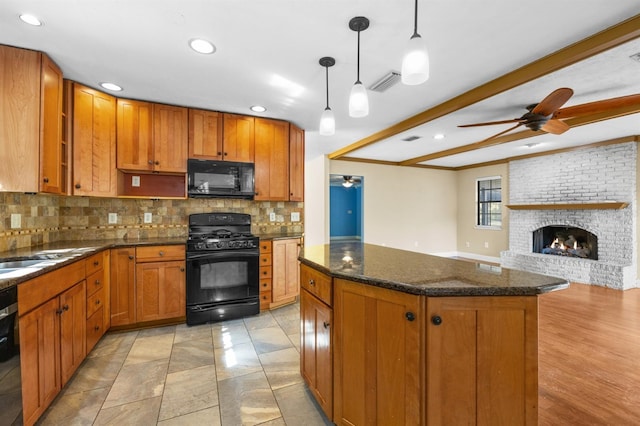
(222, 268)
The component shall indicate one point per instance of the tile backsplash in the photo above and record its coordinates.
(50, 218)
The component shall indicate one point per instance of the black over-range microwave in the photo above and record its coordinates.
(221, 179)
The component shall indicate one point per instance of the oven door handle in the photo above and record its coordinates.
(222, 254)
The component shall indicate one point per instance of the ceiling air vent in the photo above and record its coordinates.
(386, 82)
(411, 138)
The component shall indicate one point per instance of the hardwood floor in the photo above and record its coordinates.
(589, 357)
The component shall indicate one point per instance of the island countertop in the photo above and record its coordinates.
(424, 274)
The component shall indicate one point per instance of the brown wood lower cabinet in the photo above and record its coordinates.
(52, 309)
(285, 286)
(405, 359)
(148, 283)
(316, 363)
(377, 355)
(123, 290)
(482, 360)
(160, 290)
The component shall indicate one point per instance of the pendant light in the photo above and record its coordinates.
(327, 120)
(358, 100)
(415, 62)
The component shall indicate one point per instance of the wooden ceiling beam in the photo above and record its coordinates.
(611, 37)
(572, 122)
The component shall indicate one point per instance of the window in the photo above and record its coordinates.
(489, 197)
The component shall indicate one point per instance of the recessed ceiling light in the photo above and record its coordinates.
(258, 108)
(111, 86)
(438, 136)
(30, 19)
(202, 46)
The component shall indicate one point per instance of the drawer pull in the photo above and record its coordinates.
(96, 263)
(181, 269)
(436, 320)
(130, 257)
(326, 324)
(65, 308)
(410, 316)
(97, 301)
(96, 328)
(312, 283)
(97, 282)
(161, 253)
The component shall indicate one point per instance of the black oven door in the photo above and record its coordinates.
(222, 277)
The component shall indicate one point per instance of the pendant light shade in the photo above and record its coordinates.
(327, 120)
(327, 123)
(358, 99)
(415, 62)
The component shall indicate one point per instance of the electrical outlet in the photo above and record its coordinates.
(135, 181)
(295, 216)
(148, 218)
(486, 244)
(113, 218)
(272, 217)
(16, 220)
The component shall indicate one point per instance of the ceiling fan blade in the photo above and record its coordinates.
(553, 101)
(490, 123)
(501, 133)
(556, 127)
(597, 106)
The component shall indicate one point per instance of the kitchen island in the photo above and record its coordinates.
(396, 337)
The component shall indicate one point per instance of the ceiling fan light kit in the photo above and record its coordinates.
(415, 62)
(358, 99)
(327, 120)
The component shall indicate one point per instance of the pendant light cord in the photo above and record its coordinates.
(358, 68)
(415, 22)
(327, 70)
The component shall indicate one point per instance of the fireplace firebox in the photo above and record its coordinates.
(565, 241)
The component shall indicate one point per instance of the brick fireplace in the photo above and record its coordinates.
(592, 189)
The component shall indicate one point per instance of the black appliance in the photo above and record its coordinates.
(8, 310)
(226, 179)
(222, 268)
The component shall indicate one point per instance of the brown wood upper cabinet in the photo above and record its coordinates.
(94, 142)
(296, 163)
(31, 113)
(151, 137)
(272, 159)
(238, 138)
(205, 134)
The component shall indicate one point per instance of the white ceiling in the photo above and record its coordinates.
(143, 46)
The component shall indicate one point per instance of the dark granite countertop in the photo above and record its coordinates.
(424, 274)
(279, 235)
(59, 254)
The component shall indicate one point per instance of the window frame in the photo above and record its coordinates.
(477, 224)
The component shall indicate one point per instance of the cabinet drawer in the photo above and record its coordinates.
(265, 259)
(95, 262)
(160, 253)
(316, 283)
(265, 272)
(265, 300)
(96, 281)
(95, 328)
(95, 302)
(265, 284)
(265, 247)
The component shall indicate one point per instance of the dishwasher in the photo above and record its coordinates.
(8, 310)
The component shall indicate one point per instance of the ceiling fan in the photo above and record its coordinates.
(548, 116)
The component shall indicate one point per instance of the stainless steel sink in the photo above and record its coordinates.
(17, 264)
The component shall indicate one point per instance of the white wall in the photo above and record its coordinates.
(404, 207)
(316, 200)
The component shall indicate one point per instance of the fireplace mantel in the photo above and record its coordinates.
(616, 205)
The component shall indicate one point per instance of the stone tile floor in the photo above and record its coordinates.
(240, 372)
